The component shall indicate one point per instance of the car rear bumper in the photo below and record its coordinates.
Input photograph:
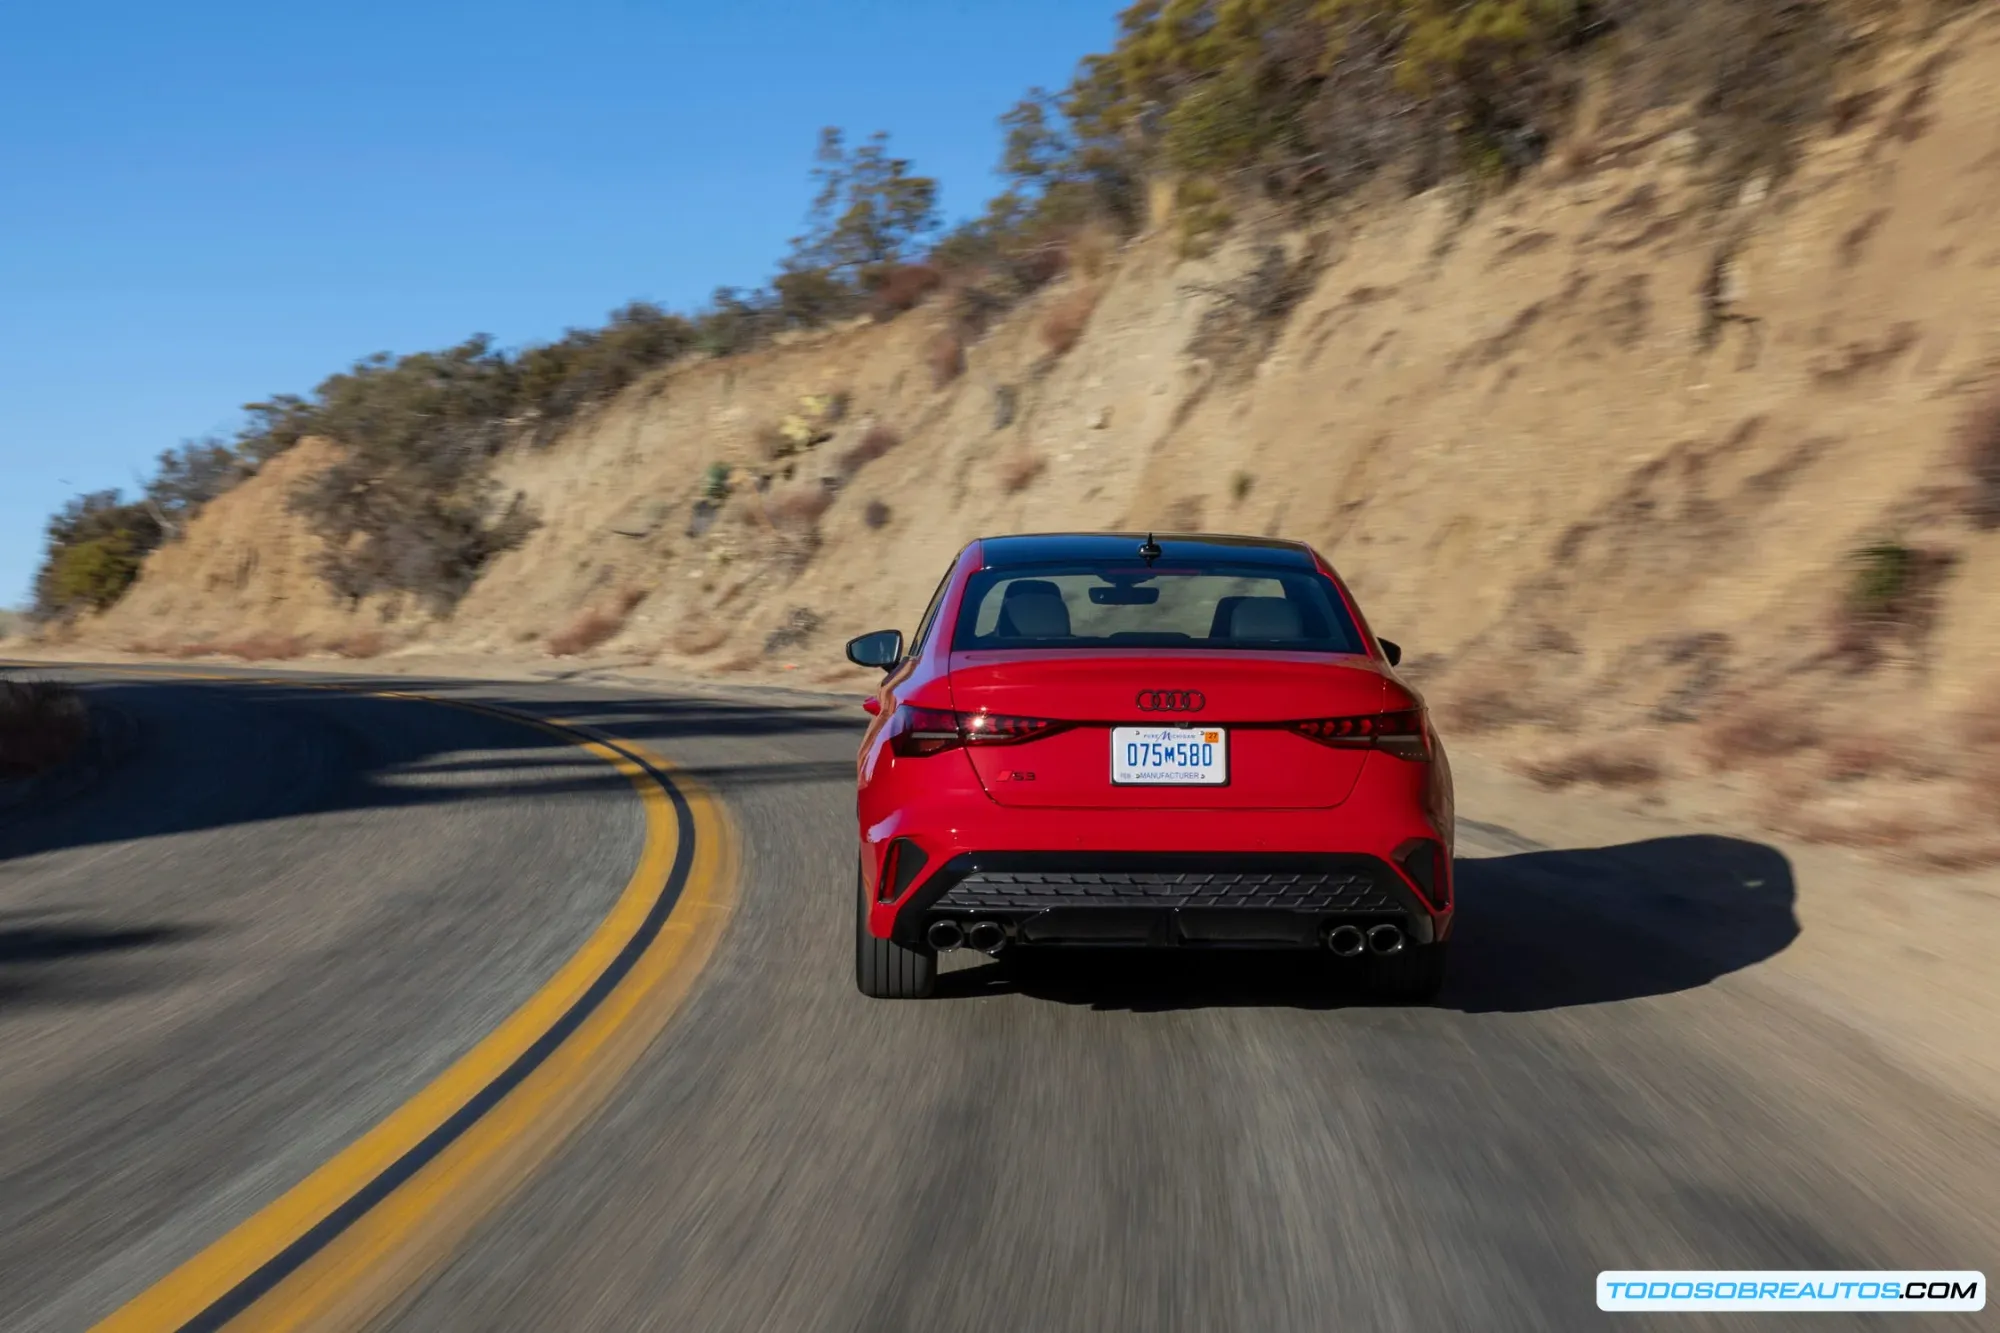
(1167, 900)
(1158, 876)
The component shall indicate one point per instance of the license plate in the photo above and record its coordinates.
(1169, 756)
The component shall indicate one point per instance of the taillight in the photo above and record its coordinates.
(921, 731)
(999, 729)
(1404, 734)
(914, 731)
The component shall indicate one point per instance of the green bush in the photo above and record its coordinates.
(94, 573)
(95, 545)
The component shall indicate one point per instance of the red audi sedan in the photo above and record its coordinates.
(1117, 740)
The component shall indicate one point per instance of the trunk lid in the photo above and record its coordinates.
(1240, 693)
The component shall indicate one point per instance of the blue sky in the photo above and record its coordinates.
(205, 203)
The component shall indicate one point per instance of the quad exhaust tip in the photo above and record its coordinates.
(1346, 941)
(1385, 939)
(944, 935)
(987, 936)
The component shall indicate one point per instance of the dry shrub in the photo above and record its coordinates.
(693, 638)
(799, 506)
(902, 288)
(41, 722)
(773, 443)
(876, 514)
(1063, 325)
(360, 644)
(180, 650)
(1891, 601)
(1578, 156)
(1090, 251)
(1019, 469)
(799, 625)
(1979, 759)
(266, 647)
(876, 441)
(1609, 764)
(1979, 451)
(946, 358)
(1748, 731)
(587, 631)
(1858, 755)
(1249, 312)
(1481, 709)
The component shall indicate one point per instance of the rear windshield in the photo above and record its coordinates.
(1211, 606)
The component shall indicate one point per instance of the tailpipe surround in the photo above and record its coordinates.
(987, 936)
(1385, 939)
(944, 935)
(1346, 941)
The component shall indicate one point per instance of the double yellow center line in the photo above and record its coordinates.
(345, 1242)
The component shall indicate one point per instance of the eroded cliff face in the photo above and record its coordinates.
(1604, 455)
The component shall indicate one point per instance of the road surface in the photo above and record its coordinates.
(277, 912)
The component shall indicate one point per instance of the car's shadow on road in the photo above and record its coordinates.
(1539, 930)
(40, 956)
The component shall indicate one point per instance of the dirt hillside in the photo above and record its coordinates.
(1646, 484)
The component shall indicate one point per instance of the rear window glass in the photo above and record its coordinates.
(1212, 606)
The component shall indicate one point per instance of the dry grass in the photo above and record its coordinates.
(1606, 764)
(1063, 325)
(41, 722)
(946, 358)
(590, 628)
(1019, 469)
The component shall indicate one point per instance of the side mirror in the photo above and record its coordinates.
(1392, 650)
(883, 649)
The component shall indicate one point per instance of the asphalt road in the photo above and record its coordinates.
(282, 911)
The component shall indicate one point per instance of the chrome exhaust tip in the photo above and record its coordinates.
(1385, 939)
(987, 936)
(944, 935)
(1345, 941)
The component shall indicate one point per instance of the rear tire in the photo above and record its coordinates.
(1414, 976)
(884, 969)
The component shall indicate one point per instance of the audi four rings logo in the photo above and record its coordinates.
(1171, 701)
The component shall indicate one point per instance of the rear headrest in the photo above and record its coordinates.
(1033, 609)
(1225, 614)
(1264, 618)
